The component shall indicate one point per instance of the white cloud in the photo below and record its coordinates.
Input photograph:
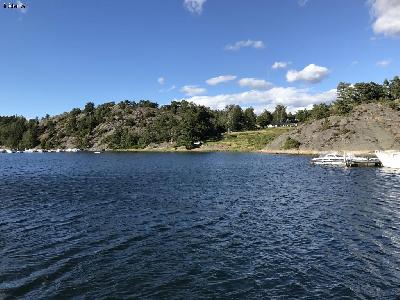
(192, 90)
(292, 97)
(220, 79)
(384, 63)
(280, 65)
(245, 44)
(194, 6)
(254, 83)
(311, 74)
(387, 17)
(302, 2)
(161, 80)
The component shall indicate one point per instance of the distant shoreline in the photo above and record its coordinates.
(276, 152)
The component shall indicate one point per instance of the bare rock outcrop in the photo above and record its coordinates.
(369, 127)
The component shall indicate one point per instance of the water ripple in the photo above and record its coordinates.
(206, 225)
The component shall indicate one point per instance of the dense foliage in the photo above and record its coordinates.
(130, 124)
(127, 124)
(351, 95)
(17, 132)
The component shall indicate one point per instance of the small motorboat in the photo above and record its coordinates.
(389, 159)
(333, 159)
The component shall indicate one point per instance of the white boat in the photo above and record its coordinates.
(97, 152)
(389, 159)
(72, 150)
(9, 151)
(29, 150)
(330, 159)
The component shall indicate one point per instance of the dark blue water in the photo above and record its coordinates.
(189, 226)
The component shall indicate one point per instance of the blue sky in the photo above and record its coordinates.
(57, 55)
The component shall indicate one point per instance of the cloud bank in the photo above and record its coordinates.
(292, 97)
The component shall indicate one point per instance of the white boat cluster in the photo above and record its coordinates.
(389, 159)
(40, 150)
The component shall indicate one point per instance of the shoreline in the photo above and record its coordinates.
(318, 152)
(208, 149)
(263, 151)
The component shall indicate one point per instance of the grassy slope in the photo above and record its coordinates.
(244, 141)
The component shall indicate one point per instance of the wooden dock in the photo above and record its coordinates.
(363, 162)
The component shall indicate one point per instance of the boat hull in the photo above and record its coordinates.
(329, 163)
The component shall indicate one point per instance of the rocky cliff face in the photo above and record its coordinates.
(369, 127)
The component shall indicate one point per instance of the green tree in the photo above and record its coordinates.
(279, 115)
(30, 138)
(303, 115)
(343, 103)
(264, 119)
(249, 119)
(89, 108)
(394, 87)
(235, 118)
(320, 111)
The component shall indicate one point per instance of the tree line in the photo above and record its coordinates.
(352, 95)
(130, 124)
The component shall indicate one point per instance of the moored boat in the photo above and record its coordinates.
(389, 159)
(72, 150)
(346, 160)
(332, 159)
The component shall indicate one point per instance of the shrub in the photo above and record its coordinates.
(291, 144)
